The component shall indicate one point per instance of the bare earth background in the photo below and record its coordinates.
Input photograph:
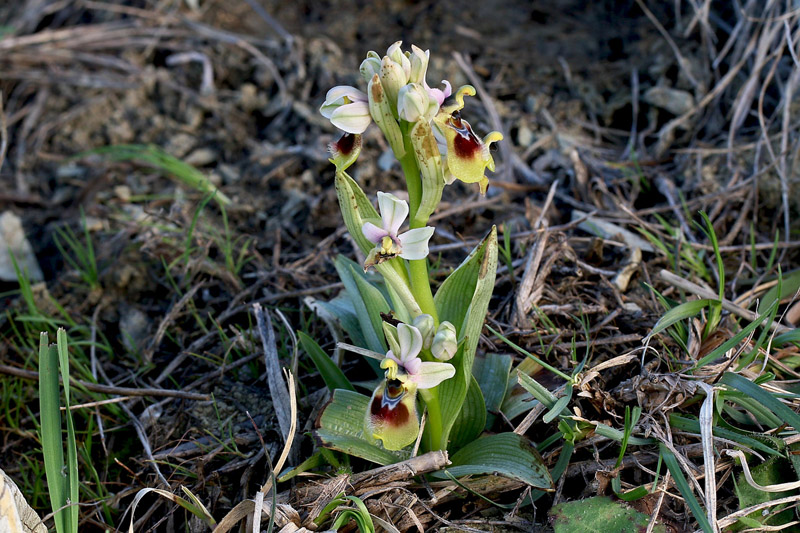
(634, 112)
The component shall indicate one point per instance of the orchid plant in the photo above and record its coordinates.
(425, 343)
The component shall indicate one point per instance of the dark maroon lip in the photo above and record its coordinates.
(465, 144)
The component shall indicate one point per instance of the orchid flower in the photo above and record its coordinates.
(407, 367)
(413, 244)
(467, 156)
(392, 413)
(347, 108)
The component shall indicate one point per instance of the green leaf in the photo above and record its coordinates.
(679, 313)
(50, 428)
(762, 397)
(683, 487)
(367, 300)
(537, 391)
(505, 454)
(516, 402)
(600, 514)
(62, 477)
(471, 420)
(492, 372)
(720, 350)
(72, 450)
(771, 472)
(463, 300)
(157, 158)
(332, 375)
(341, 427)
(792, 336)
(691, 425)
(788, 286)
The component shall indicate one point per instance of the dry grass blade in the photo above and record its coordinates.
(281, 399)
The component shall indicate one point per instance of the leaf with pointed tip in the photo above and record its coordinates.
(505, 454)
(463, 300)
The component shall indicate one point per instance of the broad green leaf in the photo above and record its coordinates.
(471, 420)
(492, 372)
(456, 292)
(368, 303)
(679, 313)
(341, 427)
(342, 311)
(762, 397)
(600, 514)
(683, 487)
(476, 276)
(790, 283)
(516, 402)
(332, 375)
(374, 301)
(771, 472)
(505, 454)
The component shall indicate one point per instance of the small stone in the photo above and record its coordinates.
(524, 136)
(201, 157)
(675, 101)
(123, 192)
(13, 242)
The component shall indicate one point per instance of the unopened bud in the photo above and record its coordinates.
(396, 54)
(424, 323)
(392, 78)
(413, 102)
(370, 66)
(419, 64)
(445, 342)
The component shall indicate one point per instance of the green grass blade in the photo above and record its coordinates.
(768, 400)
(686, 491)
(50, 427)
(787, 338)
(332, 375)
(720, 350)
(72, 451)
(679, 313)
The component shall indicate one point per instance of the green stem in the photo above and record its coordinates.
(418, 268)
(433, 425)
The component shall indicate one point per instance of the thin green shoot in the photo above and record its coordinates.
(79, 254)
(715, 308)
(62, 474)
(529, 355)
(157, 158)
